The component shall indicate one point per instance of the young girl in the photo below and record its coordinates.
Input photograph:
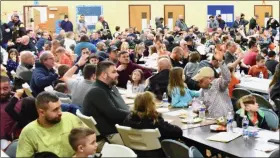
(181, 96)
(137, 81)
(250, 108)
(193, 65)
(13, 61)
(145, 116)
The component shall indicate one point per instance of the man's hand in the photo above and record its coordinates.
(82, 61)
(121, 68)
(19, 93)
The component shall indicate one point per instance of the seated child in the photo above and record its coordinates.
(181, 96)
(137, 79)
(250, 108)
(83, 142)
(258, 68)
(62, 69)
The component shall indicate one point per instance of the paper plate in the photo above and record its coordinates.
(195, 120)
(184, 115)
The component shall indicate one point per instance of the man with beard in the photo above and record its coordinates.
(7, 123)
(18, 29)
(104, 102)
(50, 131)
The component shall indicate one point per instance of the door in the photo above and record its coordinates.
(139, 16)
(55, 15)
(36, 17)
(171, 14)
(263, 11)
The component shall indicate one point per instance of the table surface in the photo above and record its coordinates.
(254, 84)
(237, 147)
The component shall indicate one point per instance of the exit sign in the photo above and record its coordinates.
(36, 2)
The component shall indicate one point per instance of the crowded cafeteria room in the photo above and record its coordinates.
(146, 79)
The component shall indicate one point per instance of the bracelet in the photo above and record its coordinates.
(77, 65)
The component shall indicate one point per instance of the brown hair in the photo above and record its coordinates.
(247, 99)
(194, 57)
(62, 69)
(176, 80)
(13, 51)
(153, 49)
(141, 73)
(77, 136)
(145, 106)
(259, 58)
(276, 76)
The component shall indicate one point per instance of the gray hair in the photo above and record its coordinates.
(25, 54)
(44, 56)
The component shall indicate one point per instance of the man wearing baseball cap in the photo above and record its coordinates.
(214, 92)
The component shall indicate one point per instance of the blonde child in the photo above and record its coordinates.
(137, 79)
(83, 142)
(250, 108)
(181, 96)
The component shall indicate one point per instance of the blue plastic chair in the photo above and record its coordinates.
(194, 153)
(174, 149)
(271, 118)
(11, 149)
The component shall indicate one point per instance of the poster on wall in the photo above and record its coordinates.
(91, 13)
(226, 12)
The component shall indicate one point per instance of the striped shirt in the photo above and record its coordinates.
(216, 97)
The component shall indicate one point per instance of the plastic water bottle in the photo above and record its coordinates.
(229, 122)
(190, 114)
(165, 100)
(202, 111)
(261, 75)
(129, 87)
(245, 124)
(242, 73)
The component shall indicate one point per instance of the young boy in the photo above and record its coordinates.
(259, 67)
(250, 108)
(83, 142)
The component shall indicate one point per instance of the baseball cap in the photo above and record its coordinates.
(203, 72)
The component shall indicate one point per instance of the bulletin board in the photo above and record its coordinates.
(226, 11)
(91, 13)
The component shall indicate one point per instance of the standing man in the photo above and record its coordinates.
(180, 23)
(253, 22)
(18, 29)
(213, 23)
(81, 24)
(221, 22)
(66, 25)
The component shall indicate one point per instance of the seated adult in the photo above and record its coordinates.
(126, 67)
(84, 43)
(274, 86)
(271, 63)
(43, 74)
(230, 57)
(63, 57)
(214, 92)
(7, 122)
(210, 44)
(28, 112)
(50, 131)
(145, 116)
(176, 57)
(25, 69)
(26, 45)
(158, 83)
(250, 56)
(112, 54)
(79, 87)
(41, 42)
(213, 64)
(104, 102)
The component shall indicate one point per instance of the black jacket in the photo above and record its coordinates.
(29, 47)
(18, 30)
(273, 25)
(181, 64)
(167, 130)
(253, 23)
(158, 83)
(261, 119)
(106, 106)
(271, 65)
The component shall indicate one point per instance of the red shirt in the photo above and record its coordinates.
(234, 81)
(255, 71)
(7, 123)
(250, 58)
(65, 59)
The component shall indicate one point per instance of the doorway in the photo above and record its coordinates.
(264, 12)
(139, 16)
(171, 14)
(35, 16)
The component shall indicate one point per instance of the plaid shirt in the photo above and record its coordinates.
(216, 97)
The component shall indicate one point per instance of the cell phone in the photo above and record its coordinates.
(275, 141)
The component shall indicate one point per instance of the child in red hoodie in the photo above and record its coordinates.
(259, 67)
